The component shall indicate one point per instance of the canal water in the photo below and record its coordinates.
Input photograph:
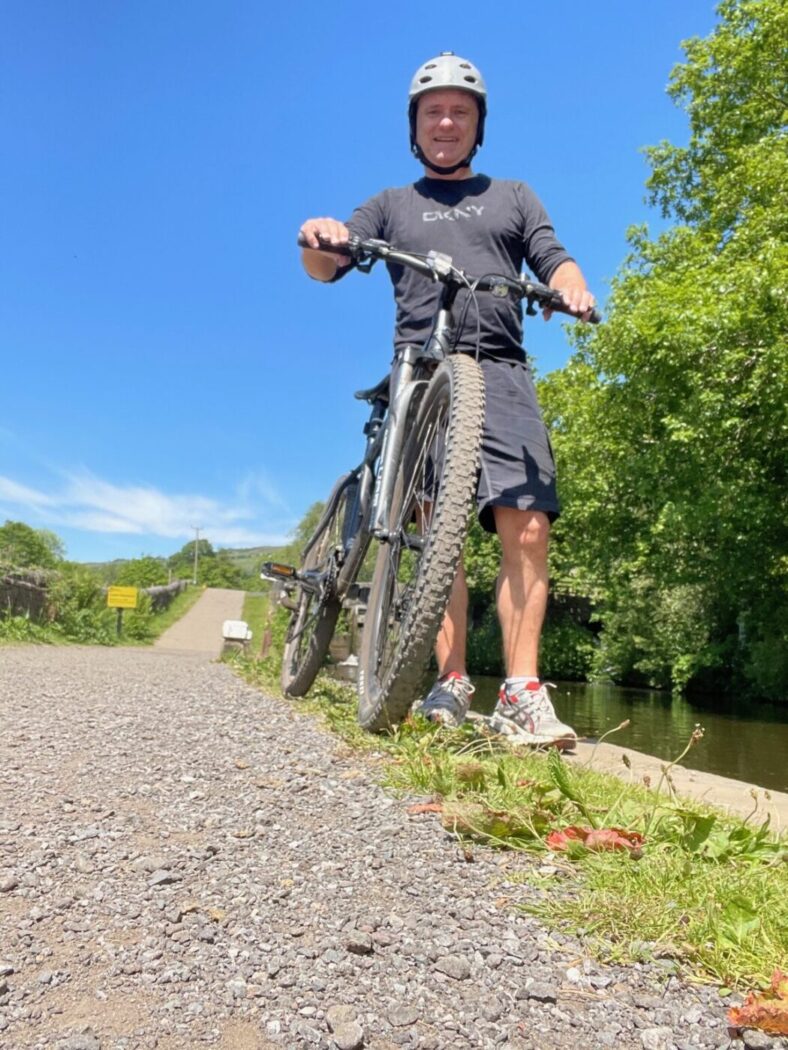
(750, 744)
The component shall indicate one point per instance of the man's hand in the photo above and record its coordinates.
(569, 281)
(322, 265)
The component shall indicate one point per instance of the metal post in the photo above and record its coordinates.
(196, 542)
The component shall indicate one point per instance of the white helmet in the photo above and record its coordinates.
(447, 70)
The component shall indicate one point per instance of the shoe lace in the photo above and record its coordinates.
(459, 687)
(534, 701)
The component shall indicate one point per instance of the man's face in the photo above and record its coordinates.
(446, 121)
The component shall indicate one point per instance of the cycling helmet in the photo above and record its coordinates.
(447, 70)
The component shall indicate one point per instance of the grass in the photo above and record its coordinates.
(160, 622)
(256, 614)
(680, 882)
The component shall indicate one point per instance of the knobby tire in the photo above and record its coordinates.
(428, 524)
(313, 621)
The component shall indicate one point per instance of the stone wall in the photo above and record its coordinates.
(23, 593)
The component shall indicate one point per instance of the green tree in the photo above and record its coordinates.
(146, 571)
(218, 570)
(24, 547)
(670, 421)
(182, 562)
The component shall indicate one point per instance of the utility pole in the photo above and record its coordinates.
(197, 530)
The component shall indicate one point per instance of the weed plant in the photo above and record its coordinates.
(682, 882)
(78, 613)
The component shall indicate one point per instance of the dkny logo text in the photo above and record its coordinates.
(453, 214)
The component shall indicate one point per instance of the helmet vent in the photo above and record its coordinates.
(425, 80)
(471, 80)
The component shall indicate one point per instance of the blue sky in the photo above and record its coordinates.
(165, 362)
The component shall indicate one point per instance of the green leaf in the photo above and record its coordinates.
(739, 923)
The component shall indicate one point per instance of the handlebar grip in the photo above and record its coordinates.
(325, 246)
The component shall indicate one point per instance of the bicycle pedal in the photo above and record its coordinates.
(357, 592)
(274, 570)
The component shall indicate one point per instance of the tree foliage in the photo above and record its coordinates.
(146, 571)
(24, 547)
(670, 420)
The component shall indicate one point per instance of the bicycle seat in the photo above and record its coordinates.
(379, 392)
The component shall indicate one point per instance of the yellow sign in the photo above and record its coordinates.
(122, 597)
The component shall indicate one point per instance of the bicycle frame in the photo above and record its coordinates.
(385, 435)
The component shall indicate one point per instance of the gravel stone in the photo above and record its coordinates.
(755, 1040)
(656, 1038)
(85, 1041)
(360, 943)
(349, 1036)
(454, 966)
(162, 877)
(540, 991)
(340, 1015)
(133, 900)
(403, 1016)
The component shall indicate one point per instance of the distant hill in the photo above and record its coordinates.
(247, 559)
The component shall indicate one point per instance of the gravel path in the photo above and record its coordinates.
(200, 629)
(185, 863)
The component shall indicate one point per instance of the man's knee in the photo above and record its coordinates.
(522, 531)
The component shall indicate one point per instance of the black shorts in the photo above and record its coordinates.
(517, 464)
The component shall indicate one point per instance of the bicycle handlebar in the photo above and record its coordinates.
(439, 267)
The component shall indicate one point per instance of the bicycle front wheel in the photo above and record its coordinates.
(314, 617)
(428, 523)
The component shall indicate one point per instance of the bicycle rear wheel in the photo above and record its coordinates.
(314, 617)
(428, 523)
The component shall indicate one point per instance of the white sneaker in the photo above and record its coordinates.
(448, 700)
(530, 716)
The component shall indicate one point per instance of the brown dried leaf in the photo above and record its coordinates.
(766, 1010)
(426, 807)
(596, 839)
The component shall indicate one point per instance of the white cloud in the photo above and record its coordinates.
(83, 501)
(12, 492)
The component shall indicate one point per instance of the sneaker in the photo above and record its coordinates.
(448, 700)
(528, 714)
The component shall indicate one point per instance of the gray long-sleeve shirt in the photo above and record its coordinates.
(487, 226)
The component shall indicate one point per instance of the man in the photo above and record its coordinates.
(486, 226)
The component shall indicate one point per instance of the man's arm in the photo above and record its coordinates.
(323, 265)
(569, 281)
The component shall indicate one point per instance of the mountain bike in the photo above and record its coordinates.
(411, 494)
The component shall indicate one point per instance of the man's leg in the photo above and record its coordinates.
(522, 600)
(522, 586)
(450, 697)
(450, 645)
